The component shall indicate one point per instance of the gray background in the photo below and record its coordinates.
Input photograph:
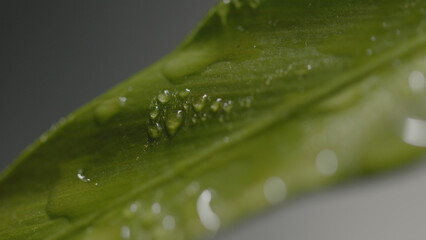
(57, 55)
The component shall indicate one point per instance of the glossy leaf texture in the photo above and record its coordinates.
(264, 101)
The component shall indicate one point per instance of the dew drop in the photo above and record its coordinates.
(216, 105)
(154, 112)
(275, 190)
(208, 218)
(373, 38)
(106, 110)
(369, 52)
(416, 81)
(184, 93)
(309, 67)
(200, 103)
(164, 96)
(326, 162)
(173, 122)
(155, 130)
(226, 1)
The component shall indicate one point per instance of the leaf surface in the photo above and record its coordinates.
(264, 101)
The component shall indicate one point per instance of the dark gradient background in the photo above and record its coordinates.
(57, 55)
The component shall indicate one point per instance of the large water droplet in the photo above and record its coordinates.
(107, 109)
(122, 100)
(155, 130)
(208, 218)
(216, 105)
(184, 93)
(125, 232)
(156, 208)
(173, 121)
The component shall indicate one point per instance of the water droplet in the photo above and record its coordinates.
(43, 137)
(154, 112)
(125, 232)
(81, 176)
(173, 122)
(122, 101)
(200, 103)
(130, 88)
(169, 222)
(414, 132)
(155, 130)
(384, 25)
(326, 162)
(275, 190)
(184, 93)
(309, 67)
(192, 188)
(134, 207)
(208, 218)
(416, 81)
(226, 1)
(268, 81)
(245, 102)
(373, 38)
(164, 96)
(156, 208)
(240, 28)
(216, 105)
(227, 106)
(369, 52)
(226, 139)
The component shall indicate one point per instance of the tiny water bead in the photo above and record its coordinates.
(326, 162)
(369, 52)
(155, 130)
(275, 190)
(216, 105)
(173, 121)
(416, 81)
(208, 218)
(227, 106)
(164, 96)
(414, 132)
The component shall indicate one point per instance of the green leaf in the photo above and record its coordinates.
(266, 100)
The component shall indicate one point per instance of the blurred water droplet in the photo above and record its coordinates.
(156, 208)
(416, 81)
(309, 67)
(326, 162)
(208, 218)
(122, 101)
(169, 222)
(227, 106)
(373, 38)
(216, 105)
(369, 52)
(414, 132)
(125, 232)
(275, 190)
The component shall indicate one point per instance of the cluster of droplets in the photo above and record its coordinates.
(171, 110)
(82, 177)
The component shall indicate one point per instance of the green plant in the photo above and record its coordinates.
(264, 100)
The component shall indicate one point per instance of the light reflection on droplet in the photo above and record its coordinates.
(169, 222)
(81, 176)
(122, 100)
(156, 208)
(326, 162)
(414, 132)
(416, 81)
(275, 190)
(208, 218)
(125, 232)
